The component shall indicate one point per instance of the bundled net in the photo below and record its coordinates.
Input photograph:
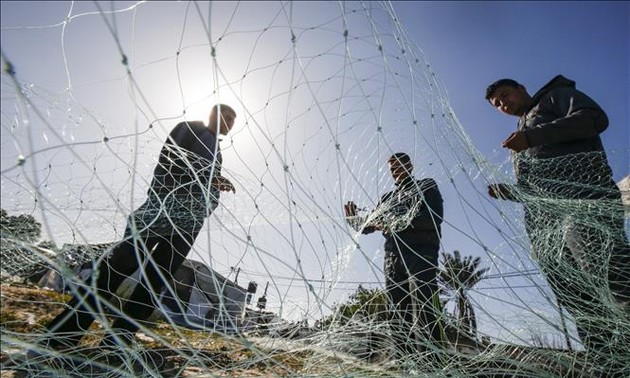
(278, 281)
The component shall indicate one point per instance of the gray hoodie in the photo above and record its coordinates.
(566, 158)
(562, 121)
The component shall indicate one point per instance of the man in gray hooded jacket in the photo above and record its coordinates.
(573, 212)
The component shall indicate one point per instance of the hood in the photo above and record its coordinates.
(557, 82)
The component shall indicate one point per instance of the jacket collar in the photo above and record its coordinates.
(410, 180)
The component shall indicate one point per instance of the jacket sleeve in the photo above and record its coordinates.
(358, 224)
(431, 211)
(512, 192)
(579, 117)
(362, 223)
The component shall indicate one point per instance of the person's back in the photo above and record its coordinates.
(185, 162)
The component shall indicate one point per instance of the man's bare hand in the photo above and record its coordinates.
(500, 191)
(517, 142)
(350, 209)
(222, 184)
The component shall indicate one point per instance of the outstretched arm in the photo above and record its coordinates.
(503, 192)
(355, 221)
(223, 184)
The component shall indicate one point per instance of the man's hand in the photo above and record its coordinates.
(222, 184)
(350, 209)
(500, 191)
(517, 142)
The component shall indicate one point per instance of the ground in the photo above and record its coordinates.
(181, 352)
(164, 350)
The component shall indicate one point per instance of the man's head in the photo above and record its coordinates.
(224, 123)
(509, 97)
(400, 166)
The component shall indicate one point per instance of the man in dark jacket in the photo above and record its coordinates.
(159, 234)
(410, 219)
(573, 211)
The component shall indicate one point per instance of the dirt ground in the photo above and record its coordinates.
(166, 350)
(181, 352)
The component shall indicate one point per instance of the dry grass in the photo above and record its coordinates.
(184, 352)
(25, 310)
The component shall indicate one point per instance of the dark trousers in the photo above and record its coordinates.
(165, 252)
(411, 287)
(584, 257)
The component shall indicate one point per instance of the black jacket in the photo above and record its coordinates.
(188, 160)
(409, 215)
(181, 194)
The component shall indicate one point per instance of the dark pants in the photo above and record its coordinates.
(167, 252)
(584, 256)
(411, 286)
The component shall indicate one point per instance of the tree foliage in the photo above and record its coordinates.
(22, 227)
(18, 255)
(457, 277)
(368, 304)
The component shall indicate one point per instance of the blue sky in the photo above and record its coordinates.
(299, 149)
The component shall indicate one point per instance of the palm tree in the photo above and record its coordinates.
(457, 277)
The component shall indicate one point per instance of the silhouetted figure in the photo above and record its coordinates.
(185, 190)
(410, 219)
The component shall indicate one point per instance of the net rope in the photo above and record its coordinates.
(325, 93)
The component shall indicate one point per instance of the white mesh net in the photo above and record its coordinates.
(325, 93)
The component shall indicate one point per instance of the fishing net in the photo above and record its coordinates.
(278, 282)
